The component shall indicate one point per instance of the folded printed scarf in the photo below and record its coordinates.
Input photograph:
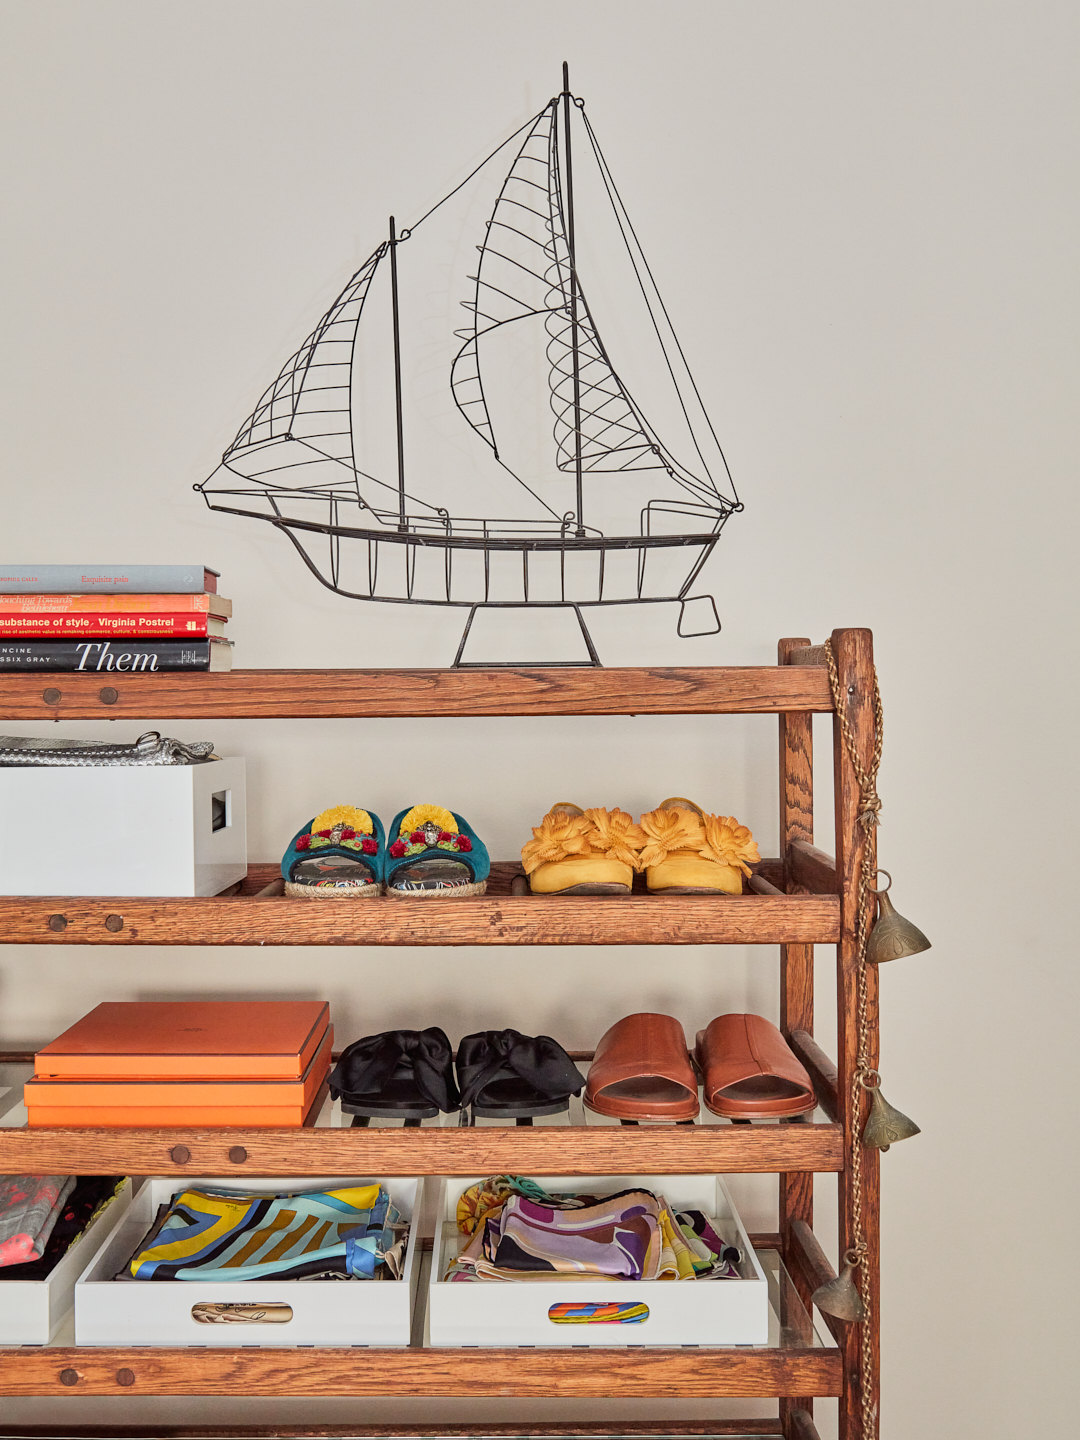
(90, 1195)
(714, 1258)
(520, 1234)
(229, 1235)
(29, 1208)
(617, 1237)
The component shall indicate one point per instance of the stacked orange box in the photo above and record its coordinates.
(186, 1062)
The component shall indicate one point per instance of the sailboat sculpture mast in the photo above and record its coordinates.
(302, 460)
(571, 251)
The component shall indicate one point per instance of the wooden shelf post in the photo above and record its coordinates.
(796, 965)
(854, 652)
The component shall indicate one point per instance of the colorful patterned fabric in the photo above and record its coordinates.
(478, 1201)
(714, 1258)
(228, 1235)
(518, 1233)
(29, 1208)
(597, 1312)
(617, 1237)
(90, 1196)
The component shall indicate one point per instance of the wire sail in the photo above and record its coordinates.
(525, 271)
(303, 422)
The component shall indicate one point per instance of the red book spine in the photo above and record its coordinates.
(81, 624)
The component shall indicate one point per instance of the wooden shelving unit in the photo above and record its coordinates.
(797, 901)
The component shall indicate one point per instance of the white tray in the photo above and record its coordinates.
(322, 1312)
(687, 1312)
(31, 1311)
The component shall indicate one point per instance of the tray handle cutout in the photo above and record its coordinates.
(227, 1312)
(599, 1312)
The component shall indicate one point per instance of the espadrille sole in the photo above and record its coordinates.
(452, 892)
(329, 892)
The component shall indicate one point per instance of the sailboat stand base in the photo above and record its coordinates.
(460, 664)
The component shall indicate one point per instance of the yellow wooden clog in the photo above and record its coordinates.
(688, 852)
(582, 852)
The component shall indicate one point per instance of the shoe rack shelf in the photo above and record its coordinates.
(649, 1372)
(802, 899)
(260, 915)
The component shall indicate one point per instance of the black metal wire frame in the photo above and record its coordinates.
(593, 661)
(527, 271)
(488, 542)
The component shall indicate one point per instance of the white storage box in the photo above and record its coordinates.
(293, 1312)
(31, 1311)
(122, 829)
(681, 1312)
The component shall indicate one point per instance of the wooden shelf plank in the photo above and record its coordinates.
(316, 1430)
(497, 918)
(310, 694)
(494, 1150)
(481, 920)
(568, 1373)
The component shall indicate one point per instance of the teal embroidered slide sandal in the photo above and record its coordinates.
(434, 854)
(340, 855)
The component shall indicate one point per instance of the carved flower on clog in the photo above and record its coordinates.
(729, 843)
(614, 833)
(669, 830)
(557, 837)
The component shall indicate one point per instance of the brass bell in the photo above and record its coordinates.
(840, 1298)
(892, 937)
(884, 1125)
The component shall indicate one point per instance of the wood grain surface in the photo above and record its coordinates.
(796, 757)
(585, 1372)
(807, 654)
(495, 919)
(540, 1150)
(854, 651)
(286, 1430)
(311, 694)
(822, 1073)
(801, 1425)
(812, 869)
(806, 1259)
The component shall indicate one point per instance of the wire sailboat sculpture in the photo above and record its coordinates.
(611, 515)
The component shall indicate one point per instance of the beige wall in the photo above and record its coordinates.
(864, 220)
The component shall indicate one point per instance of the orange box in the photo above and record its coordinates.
(147, 1103)
(188, 1040)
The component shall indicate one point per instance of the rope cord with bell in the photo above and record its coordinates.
(864, 1076)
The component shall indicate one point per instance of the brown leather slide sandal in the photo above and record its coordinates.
(750, 1071)
(641, 1071)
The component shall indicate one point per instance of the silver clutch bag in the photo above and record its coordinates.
(152, 748)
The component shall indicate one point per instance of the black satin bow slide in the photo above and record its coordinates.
(400, 1074)
(504, 1074)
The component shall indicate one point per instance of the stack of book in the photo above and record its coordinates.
(185, 1062)
(112, 617)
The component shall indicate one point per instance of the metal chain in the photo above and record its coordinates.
(869, 817)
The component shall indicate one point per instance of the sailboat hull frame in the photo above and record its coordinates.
(493, 544)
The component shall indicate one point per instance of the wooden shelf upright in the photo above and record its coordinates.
(801, 899)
